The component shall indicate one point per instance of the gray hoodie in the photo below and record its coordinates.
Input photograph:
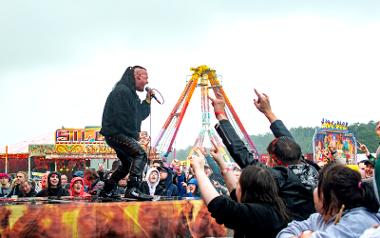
(352, 224)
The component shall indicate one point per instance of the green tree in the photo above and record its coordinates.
(364, 133)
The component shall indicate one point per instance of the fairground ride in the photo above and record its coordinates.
(205, 78)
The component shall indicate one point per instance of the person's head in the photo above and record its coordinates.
(27, 186)
(54, 180)
(208, 170)
(90, 175)
(339, 185)
(193, 185)
(156, 164)
(369, 168)
(164, 173)
(64, 179)
(154, 176)
(140, 75)
(123, 182)
(115, 165)
(284, 151)
(4, 179)
(236, 171)
(44, 180)
(135, 78)
(257, 184)
(362, 168)
(377, 129)
(177, 169)
(78, 173)
(77, 186)
(21, 176)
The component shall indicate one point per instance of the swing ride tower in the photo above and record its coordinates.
(205, 78)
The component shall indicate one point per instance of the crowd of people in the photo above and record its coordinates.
(288, 196)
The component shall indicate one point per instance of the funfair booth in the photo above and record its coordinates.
(74, 149)
(336, 135)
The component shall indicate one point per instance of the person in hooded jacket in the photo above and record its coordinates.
(192, 189)
(54, 187)
(295, 177)
(152, 179)
(121, 127)
(77, 188)
(166, 187)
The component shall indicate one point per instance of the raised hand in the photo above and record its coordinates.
(262, 104)
(216, 154)
(218, 102)
(197, 160)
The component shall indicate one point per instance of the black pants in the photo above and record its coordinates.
(132, 157)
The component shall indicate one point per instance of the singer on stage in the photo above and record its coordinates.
(121, 125)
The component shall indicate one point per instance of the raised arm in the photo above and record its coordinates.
(228, 176)
(262, 104)
(208, 192)
(231, 140)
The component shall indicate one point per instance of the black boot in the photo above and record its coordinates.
(134, 192)
(109, 190)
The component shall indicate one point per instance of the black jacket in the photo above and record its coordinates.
(246, 219)
(124, 111)
(297, 197)
(53, 192)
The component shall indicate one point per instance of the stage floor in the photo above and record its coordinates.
(184, 218)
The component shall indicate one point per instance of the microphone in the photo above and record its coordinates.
(147, 89)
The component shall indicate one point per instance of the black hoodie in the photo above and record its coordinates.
(166, 187)
(124, 111)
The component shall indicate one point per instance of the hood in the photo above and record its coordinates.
(152, 186)
(169, 179)
(193, 181)
(306, 173)
(72, 184)
(128, 79)
(59, 179)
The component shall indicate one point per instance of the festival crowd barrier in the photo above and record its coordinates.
(185, 218)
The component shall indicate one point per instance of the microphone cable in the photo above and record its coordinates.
(159, 93)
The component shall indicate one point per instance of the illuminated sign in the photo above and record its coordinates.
(88, 135)
(331, 125)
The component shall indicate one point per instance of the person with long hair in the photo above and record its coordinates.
(345, 206)
(54, 186)
(254, 208)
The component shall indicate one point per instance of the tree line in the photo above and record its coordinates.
(363, 132)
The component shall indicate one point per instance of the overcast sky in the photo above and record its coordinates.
(60, 59)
